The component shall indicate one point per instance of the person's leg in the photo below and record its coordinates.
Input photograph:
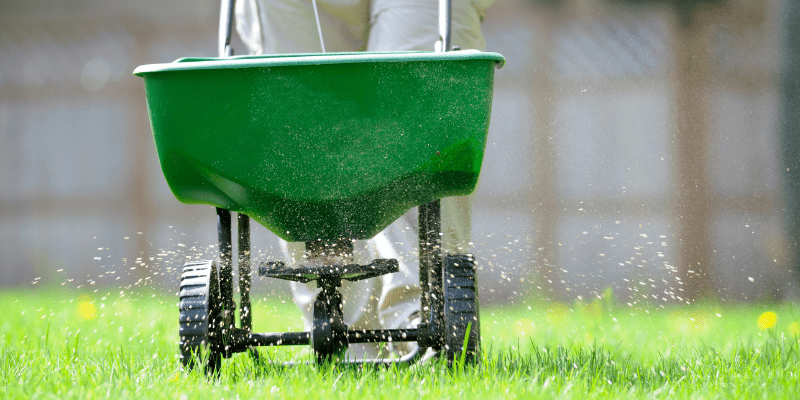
(289, 26)
(399, 25)
(394, 298)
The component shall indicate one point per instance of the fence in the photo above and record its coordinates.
(632, 147)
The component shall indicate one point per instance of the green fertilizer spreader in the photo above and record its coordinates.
(323, 149)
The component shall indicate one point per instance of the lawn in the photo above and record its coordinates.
(63, 344)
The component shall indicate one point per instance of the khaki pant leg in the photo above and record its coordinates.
(398, 25)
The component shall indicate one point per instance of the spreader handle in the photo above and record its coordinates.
(444, 26)
(225, 28)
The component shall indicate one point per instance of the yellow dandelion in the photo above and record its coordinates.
(794, 329)
(87, 310)
(767, 320)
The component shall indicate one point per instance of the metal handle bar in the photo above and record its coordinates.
(444, 26)
(225, 28)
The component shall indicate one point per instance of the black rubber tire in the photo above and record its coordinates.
(461, 307)
(200, 316)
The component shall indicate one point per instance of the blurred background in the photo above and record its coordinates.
(642, 148)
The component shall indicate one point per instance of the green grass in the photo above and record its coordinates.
(62, 344)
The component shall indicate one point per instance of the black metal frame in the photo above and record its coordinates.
(331, 339)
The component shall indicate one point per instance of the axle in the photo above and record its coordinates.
(244, 340)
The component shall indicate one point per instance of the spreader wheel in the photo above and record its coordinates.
(200, 316)
(461, 307)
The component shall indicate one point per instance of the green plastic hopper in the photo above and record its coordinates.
(321, 146)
